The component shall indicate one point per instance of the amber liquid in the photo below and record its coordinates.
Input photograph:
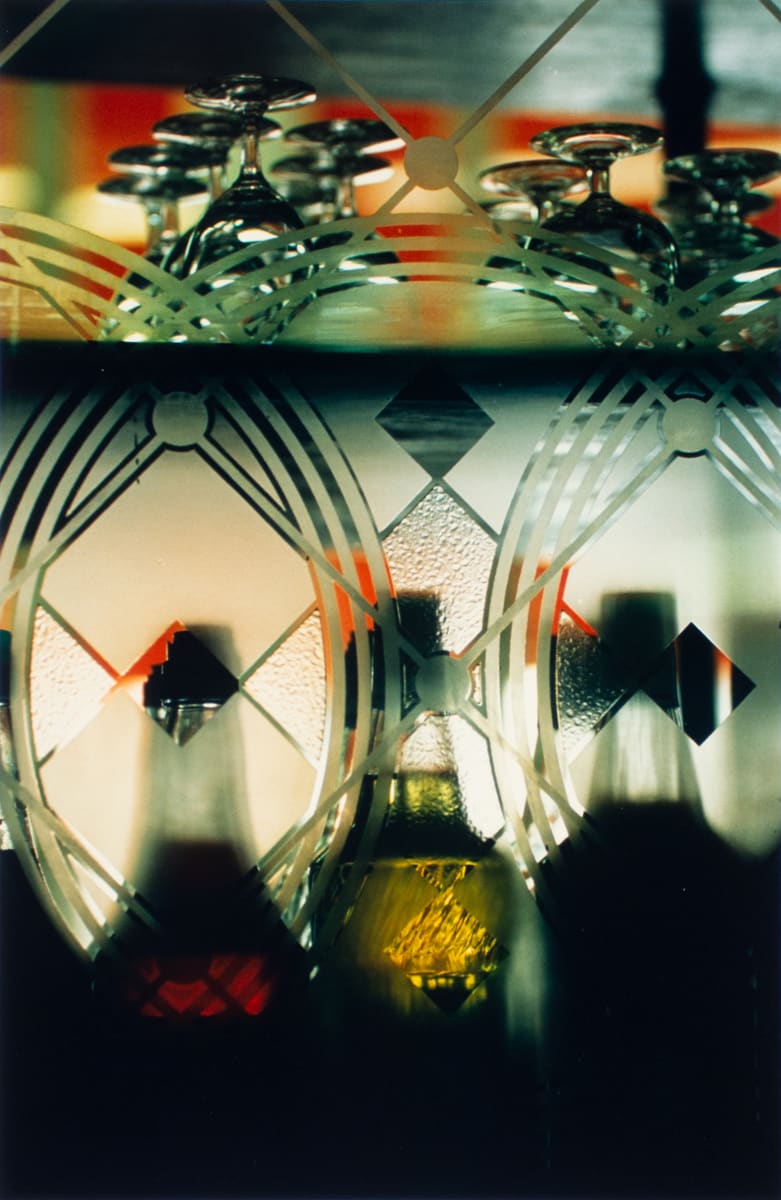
(430, 927)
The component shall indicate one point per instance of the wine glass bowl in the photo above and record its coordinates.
(719, 238)
(535, 184)
(603, 238)
(345, 135)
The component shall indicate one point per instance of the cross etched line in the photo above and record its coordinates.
(30, 31)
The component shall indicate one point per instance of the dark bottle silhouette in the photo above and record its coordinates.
(218, 947)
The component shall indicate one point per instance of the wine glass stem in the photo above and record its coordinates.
(345, 198)
(726, 209)
(599, 180)
(162, 226)
(216, 180)
(250, 164)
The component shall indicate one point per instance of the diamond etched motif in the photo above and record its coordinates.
(444, 950)
(435, 421)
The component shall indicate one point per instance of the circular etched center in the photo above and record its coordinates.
(689, 426)
(180, 419)
(431, 163)
(442, 683)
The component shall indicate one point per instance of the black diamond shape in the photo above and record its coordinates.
(435, 421)
(190, 680)
(690, 678)
(697, 684)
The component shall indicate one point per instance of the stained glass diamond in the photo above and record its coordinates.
(435, 421)
(290, 684)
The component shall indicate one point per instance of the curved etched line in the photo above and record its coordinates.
(53, 546)
(293, 421)
(287, 529)
(751, 434)
(89, 856)
(630, 422)
(85, 333)
(374, 759)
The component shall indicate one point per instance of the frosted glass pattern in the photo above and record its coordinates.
(450, 746)
(592, 622)
(290, 685)
(69, 685)
(420, 556)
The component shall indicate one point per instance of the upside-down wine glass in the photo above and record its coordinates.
(159, 197)
(529, 191)
(344, 140)
(157, 177)
(720, 236)
(153, 160)
(164, 168)
(536, 186)
(249, 213)
(647, 249)
(342, 155)
(215, 134)
(336, 179)
(687, 204)
(307, 198)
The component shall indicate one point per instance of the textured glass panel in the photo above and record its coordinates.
(448, 745)
(594, 580)
(419, 553)
(712, 557)
(290, 685)
(69, 685)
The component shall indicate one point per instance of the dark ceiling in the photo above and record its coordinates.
(454, 52)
